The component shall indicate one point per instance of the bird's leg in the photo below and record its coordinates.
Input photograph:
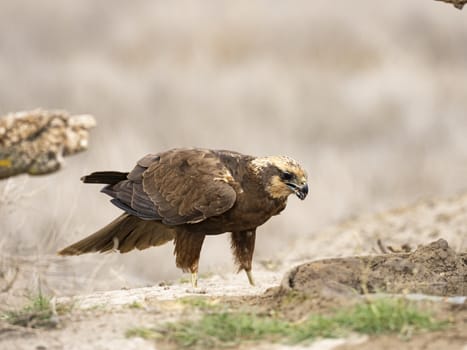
(194, 279)
(243, 246)
(250, 277)
(194, 269)
(187, 251)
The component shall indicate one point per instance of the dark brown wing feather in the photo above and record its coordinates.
(177, 187)
(188, 186)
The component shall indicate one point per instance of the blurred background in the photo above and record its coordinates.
(370, 96)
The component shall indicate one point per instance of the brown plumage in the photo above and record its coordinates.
(185, 194)
(35, 142)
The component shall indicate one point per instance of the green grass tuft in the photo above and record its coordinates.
(142, 332)
(376, 317)
(135, 305)
(224, 329)
(202, 303)
(388, 316)
(38, 313)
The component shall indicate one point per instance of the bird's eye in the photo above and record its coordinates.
(286, 176)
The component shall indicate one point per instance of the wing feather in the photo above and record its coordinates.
(178, 186)
(189, 186)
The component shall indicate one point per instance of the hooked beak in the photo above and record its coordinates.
(300, 191)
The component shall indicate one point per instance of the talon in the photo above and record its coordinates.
(250, 277)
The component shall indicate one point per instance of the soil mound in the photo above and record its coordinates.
(433, 269)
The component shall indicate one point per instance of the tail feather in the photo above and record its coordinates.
(125, 233)
(105, 177)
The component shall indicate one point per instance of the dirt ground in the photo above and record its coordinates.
(434, 273)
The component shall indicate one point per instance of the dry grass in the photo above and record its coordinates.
(39, 312)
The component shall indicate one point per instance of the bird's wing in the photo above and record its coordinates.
(178, 186)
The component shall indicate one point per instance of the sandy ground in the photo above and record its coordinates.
(98, 320)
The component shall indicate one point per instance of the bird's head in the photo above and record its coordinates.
(281, 176)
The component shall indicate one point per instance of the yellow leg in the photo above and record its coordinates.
(194, 279)
(250, 277)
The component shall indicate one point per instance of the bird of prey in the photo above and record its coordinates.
(185, 194)
(35, 142)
